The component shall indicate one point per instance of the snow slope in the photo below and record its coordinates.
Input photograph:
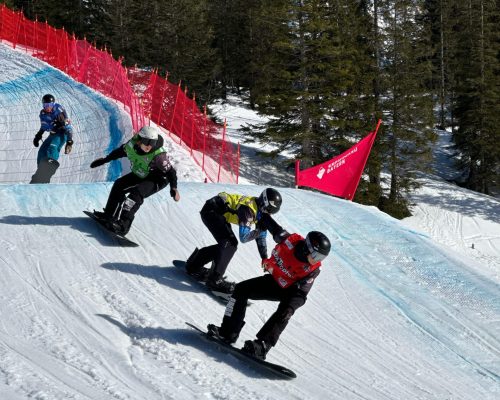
(393, 315)
(390, 317)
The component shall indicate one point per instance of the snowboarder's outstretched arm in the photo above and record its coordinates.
(114, 155)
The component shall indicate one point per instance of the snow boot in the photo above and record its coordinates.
(256, 348)
(193, 268)
(121, 226)
(102, 215)
(217, 283)
(215, 331)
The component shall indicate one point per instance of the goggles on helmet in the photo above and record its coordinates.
(147, 142)
(315, 254)
(48, 105)
(266, 205)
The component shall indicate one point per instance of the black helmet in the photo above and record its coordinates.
(48, 98)
(318, 245)
(269, 201)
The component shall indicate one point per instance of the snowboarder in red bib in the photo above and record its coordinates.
(151, 172)
(218, 214)
(293, 267)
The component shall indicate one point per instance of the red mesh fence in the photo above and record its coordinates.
(144, 94)
(168, 106)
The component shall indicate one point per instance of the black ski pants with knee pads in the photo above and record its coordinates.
(263, 288)
(212, 215)
(128, 194)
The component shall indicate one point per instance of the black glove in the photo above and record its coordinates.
(98, 162)
(175, 194)
(280, 236)
(38, 137)
(58, 124)
(68, 147)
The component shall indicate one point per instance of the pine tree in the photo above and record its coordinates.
(177, 40)
(308, 77)
(88, 19)
(408, 100)
(477, 88)
(232, 24)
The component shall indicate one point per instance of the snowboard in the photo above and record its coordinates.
(276, 369)
(222, 298)
(124, 241)
(45, 170)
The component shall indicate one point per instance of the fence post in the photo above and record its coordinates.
(74, 50)
(46, 39)
(83, 65)
(2, 12)
(175, 107)
(17, 28)
(193, 112)
(182, 114)
(35, 37)
(297, 171)
(222, 149)
(150, 92)
(160, 108)
(66, 51)
(238, 164)
(204, 137)
(119, 64)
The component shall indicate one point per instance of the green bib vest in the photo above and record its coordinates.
(235, 201)
(140, 162)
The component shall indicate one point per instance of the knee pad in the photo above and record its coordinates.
(128, 203)
(287, 313)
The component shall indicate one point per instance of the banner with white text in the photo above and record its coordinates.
(339, 176)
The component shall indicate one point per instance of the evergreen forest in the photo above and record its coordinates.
(325, 72)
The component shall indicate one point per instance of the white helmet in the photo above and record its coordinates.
(148, 135)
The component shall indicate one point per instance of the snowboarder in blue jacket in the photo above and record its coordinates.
(54, 119)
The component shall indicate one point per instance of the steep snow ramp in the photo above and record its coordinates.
(391, 316)
(99, 124)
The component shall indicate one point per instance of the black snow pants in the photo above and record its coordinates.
(128, 194)
(262, 288)
(212, 215)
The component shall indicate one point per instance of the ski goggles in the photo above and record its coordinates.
(48, 105)
(315, 254)
(147, 142)
(267, 206)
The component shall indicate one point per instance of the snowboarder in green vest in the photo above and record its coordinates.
(151, 171)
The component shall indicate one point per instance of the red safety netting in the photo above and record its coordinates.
(78, 58)
(168, 106)
(145, 95)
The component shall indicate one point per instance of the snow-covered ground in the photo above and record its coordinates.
(401, 310)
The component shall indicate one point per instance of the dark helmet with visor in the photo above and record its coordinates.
(318, 245)
(48, 100)
(269, 201)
